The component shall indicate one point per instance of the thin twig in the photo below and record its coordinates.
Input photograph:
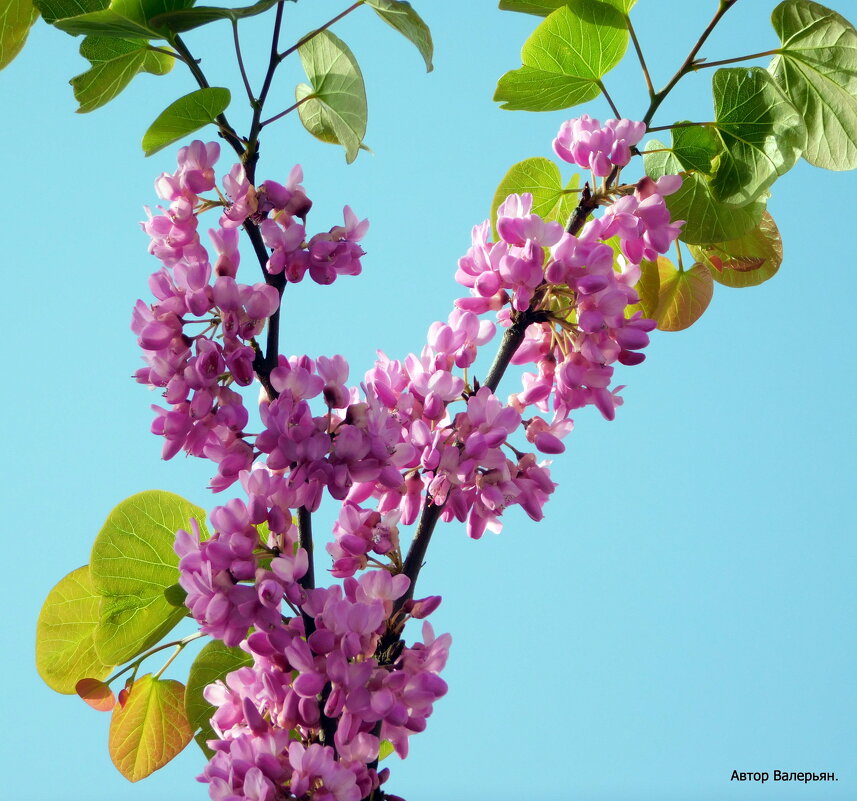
(287, 111)
(240, 59)
(650, 129)
(317, 31)
(609, 99)
(701, 65)
(642, 60)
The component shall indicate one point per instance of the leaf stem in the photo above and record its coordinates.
(174, 644)
(240, 60)
(317, 31)
(701, 65)
(287, 111)
(176, 56)
(642, 60)
(687, 65)
(609, 99)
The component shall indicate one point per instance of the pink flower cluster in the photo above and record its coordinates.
(198, 338)
(308, 718)
(584, 142)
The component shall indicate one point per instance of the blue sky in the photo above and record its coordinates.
(685, 609)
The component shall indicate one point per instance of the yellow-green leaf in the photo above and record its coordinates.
(747, 261)
(150, 729)
(402, 16)
(683, 296)
(65, 633)
(16, 19)
(648, 288)
(132, 563)
(184, 116)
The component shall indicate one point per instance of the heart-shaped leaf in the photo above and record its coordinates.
(65, 633)
(124, 18)
(132, 563)
(683, 295)
(150, 729)
(695, 147)
(763, 134)
(747, 261)
(817, 70)
(184, 116)
(565, 58)
(52, 10)
(541, 178)
(706, 219)
(648, 288)
(96, 693)
(334, 106)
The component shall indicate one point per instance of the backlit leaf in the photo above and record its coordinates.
(762, 132)
(683, 296)
(541, 178)
(336, 109)
(52, 10)
(65, 633)
(186, 19)
(132, 563)
(184, 116)
(817, 70)
(150, 729)
(115, 62)
(695, 146)
(125, 18)
(402, 17)
(706, 219)
(747, 261)
(16, 19)
(648, 288)
(565, 58)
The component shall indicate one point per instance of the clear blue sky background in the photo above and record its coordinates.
(686, 608)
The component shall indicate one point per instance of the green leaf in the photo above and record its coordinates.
(817, 70)
(212, 663)
(541, 178)
(336, 111)
(132, 563)
(385, 750)
(706, 219)
(114, 62)
(184, 116)
(16, 19)
(747, 261)
(187, 19)
(565, 58)
(124, 18)
(762, 132)
(541, 8)
(683, 296)
(695, 146)
(65, 633)
(648, 288)
(405, 20)
(150, 729)
(175, 595)
(52, 10)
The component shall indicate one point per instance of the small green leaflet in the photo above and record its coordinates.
(817, 70)
(16, 19)
(762, 132)
(565, 58)
(541, 178)
(132, 563)
(187, 19)
(114, 62)
(749, 260)
(334, 105)
(706, 219)
(402, 17)
(65, 633)
(150, 729)
(184, 116)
